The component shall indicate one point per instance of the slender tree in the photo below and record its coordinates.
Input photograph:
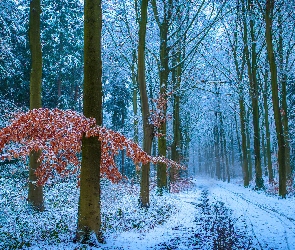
(239, 67)
(266, 124)
(35, 195)
(251, 59)
(148, 129)
(283, 83)
(164, 71)
(275, 97)
(89, 219)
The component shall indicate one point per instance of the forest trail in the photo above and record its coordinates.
(215, 213)
(271, 220)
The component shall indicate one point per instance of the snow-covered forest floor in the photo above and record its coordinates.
(205, 214)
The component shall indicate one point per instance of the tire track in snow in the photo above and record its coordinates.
(252, 226)
(280, 216)
(206, 188)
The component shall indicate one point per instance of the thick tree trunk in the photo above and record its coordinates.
(35, 194)
(148, 129)
(89, 220)
(275, 98)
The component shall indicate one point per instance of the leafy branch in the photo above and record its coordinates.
(58, 134)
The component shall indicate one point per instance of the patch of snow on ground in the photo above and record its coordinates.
(208, 214)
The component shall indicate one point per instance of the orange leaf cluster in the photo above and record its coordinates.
(58, 135)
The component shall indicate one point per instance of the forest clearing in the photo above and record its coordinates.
(147, 124)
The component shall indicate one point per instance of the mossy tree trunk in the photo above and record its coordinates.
(35, 194)
(148, 129)
(275, 98)
(89, 219)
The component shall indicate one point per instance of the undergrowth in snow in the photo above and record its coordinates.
(199, 214)
(121, 212)
(21, 227)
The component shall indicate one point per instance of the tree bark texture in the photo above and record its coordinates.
(35, 194)
(89, 219)
(148, 129)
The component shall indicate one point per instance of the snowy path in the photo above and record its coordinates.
(176, 227)
(268, 221)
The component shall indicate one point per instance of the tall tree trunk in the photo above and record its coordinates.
(264, 152)
(267, 130)
(254, 92)
(283, 81)
(217, 147)
(225, 154)
(232, 146)
(148, 129)
(35, 194)
(134, 97)
(163, 74)
(187, 139)
(249, 153)
(275, 98)
(244, 142)
(221, 146)
(89, 219)
(175, 147)
(238, 139)
(162, 147)
(239, 66)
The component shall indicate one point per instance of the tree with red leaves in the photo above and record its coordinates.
(58, 135)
